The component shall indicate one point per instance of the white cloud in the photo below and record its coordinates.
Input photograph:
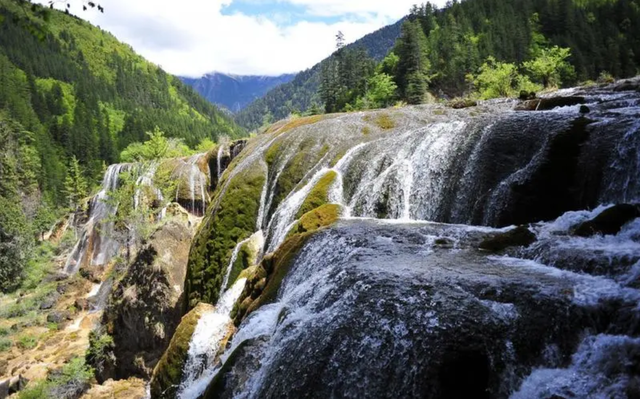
(193, 37)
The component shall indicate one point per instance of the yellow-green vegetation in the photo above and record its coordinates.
(383, 120)
(366, 130)
(297, 122)
(168, 372)
(69, 382)
(324, 215)
(244, 260)
(232, 221)
(295, 170)
(319, 194)
(100, 353)
(263, 284)
(27, 341)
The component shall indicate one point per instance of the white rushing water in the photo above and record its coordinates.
(96, 239)
(205, 344)
(234, 256)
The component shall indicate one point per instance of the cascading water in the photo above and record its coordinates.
(408, 308)
(209, 332)
(189, 171)
(96, 245)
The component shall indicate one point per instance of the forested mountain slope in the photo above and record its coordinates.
(602, 36)
(235, 92)
(302, 92)
(79, 92)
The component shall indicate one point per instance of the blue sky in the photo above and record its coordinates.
(261, 37)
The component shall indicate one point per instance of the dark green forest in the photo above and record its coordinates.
(462, 49)
(71, 98)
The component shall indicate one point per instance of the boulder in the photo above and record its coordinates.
(609, 221)
(58, 316)
(521, 236)
(145, 306)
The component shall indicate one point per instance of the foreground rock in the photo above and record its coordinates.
(609, 222)
(381, 307)
(145, 306)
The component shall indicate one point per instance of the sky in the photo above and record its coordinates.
(244, 37)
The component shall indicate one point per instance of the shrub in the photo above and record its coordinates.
(5, 344)
(27, 341)
(69, 382)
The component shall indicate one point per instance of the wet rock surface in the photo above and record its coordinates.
(382, 308)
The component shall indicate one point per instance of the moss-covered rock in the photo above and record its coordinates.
(319, 194)
(146, 304)
(168, 372)
(545, 104)
(609, 221)
(306, 156)
(232, 221)
(265, 280)
(521, 236)
(247, 256)
(322, 216)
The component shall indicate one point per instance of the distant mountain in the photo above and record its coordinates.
(302, 91)
(235, 92)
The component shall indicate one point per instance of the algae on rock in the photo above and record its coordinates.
(232, 221)
(167, 374)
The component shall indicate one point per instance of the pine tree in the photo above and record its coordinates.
(75, 184)
(413, 66)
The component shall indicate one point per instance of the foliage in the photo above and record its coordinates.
(16, 241)
(157, 147)
(550, 66)
(5, 344)
(27, 341)
(76, 186)
(70, 382)
(381, 91)
(500, 79)
(413, 69)
(100, 353)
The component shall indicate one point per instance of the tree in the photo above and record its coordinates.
(75, 184)
(157, 147)
(550, 66)
(413, 66)
(500, 79)
(381, 90)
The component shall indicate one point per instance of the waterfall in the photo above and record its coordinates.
(384, 288)
(234, 256)
(219, 161)
(96, 244)
(188, 171)
(204, 345)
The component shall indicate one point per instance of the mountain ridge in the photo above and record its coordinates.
(234, 92)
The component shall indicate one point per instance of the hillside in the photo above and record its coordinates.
(81, 93)
(235, 92)
(302, 92)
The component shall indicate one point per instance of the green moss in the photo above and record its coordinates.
(319, 195)
(295, 171)
(263, 284)
(242, 262)
(272, 153)
(322, 216)
(366, 130)
(168, 372)
(232, 221)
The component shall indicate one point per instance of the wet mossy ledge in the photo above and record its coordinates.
(232, 220)
(265, 279)
(319, 194)
(167, 374)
